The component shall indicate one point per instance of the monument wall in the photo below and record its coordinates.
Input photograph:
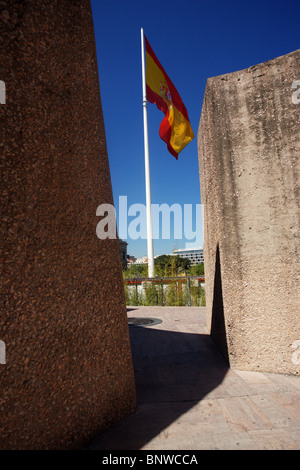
(249, 163)
(66, 371)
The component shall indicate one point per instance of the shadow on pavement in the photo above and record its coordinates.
(218, 328)
(173, 372)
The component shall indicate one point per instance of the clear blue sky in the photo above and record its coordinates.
(194, 40)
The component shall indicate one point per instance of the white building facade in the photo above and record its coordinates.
(195, 255)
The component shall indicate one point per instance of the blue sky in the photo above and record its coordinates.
(194, 40)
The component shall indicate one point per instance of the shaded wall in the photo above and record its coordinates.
(249, 149)
(68, 372)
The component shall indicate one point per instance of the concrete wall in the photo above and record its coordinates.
(68, 372)
(249, 163)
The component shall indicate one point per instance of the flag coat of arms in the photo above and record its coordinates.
(175, 128)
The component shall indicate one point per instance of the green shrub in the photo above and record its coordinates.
(151, 294)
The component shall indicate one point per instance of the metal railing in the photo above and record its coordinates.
(165, 291)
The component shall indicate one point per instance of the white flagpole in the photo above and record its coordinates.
(147, 167)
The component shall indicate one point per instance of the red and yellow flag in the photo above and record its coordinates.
(175, 128)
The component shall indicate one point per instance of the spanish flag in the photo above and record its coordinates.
(175, 128)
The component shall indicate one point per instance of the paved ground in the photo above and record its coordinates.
(188, 399)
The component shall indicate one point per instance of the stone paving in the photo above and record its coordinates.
(188, 398)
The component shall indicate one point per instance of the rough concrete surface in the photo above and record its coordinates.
(68, 371)
(249, 163)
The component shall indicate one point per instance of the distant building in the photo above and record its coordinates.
(142, 260)
(123, 252)
(195, 255)
(130, 259)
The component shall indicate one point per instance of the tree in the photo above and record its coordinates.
(170, 265)
(197, 270)
(160, 264)
(136, 270)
